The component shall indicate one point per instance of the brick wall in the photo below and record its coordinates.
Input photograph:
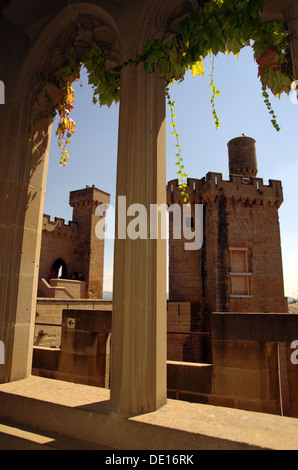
(241, 213)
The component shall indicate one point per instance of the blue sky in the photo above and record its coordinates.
(240, 107)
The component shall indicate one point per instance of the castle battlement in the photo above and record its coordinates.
(243, 186)
(74, 247)
(237, 187)
(238, 266)
(58, 226)
(89, 196)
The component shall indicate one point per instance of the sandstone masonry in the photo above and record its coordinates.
(73, 252)
(239, 267)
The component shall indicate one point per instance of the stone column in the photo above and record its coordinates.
(24, 323)
(138, 369)
(22, 190)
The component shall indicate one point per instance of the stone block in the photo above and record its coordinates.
(293, 385)
(244, 354)
(46, 358)
(190, 377)
(268, 327)
(249, 384)
(79, 342)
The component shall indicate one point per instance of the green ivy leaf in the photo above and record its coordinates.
(197, 69)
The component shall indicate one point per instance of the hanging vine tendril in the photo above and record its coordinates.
(215, 93)
(182, 175)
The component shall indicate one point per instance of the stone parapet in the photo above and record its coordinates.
(89, 195)
(59, 227)
(49, 317)
(237, 188)
(82, 412)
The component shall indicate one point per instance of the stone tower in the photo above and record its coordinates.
(243, 157)
(239, 267)
(90, 249)
(73, 250)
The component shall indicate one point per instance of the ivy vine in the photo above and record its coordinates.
(215, 92)
(219, 26)
(182, 175)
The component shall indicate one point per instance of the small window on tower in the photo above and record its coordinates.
(239, 275)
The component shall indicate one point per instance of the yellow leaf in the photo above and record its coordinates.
(197, 69)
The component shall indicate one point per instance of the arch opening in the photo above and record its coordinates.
(59, 269)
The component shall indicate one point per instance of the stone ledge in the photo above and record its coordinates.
(83, 412)
(44, 300)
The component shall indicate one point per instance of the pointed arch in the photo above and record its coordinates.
(24, 171)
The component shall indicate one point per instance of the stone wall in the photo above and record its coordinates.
(85, 349)
(49, 314)
(189, 381)
(188, 333)
(251, 369)
(252, 366)
(183, 344)
(59, 241)
(63, 289)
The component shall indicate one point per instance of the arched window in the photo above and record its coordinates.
(59, 269)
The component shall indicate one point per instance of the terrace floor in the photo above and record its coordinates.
(46, 413)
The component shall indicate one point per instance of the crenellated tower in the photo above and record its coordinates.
(73, 251)
(90, 249)
(239, 266)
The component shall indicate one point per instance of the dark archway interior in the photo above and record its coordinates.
(59, 269)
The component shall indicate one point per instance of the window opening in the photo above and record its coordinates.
(239, 275)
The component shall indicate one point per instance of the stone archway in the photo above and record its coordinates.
(139, 365)
(73, 30)
(50, 33)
